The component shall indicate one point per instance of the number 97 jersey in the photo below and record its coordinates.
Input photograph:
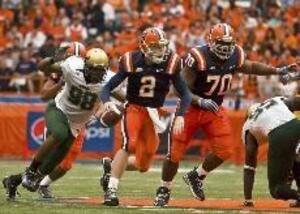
(265, 117)
(148, 84)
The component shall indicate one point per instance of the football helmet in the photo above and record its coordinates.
(154, 44)
(96, 65)
(76, 49)
(221, 40)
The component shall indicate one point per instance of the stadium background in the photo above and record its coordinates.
(269, 31)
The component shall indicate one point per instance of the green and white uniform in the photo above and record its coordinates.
(274, 121)
(269, 115)
(77, 99)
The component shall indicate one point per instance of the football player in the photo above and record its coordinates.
(50, 89)
(149, 72)
(208, 72)
(273, 121)
(69, 112)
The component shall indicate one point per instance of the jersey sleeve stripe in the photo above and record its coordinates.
(128, 62)
(199, 58)
(172, 63)
(241, 56)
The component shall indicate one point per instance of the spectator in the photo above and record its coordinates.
(25, 71)
(35, 38)
(5, 75)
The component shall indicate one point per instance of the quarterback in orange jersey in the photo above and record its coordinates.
(50, 89)
(149, 73)
(208, 72)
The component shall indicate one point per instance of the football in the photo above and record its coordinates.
(109, 118)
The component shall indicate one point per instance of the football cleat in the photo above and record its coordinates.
(111, 198)
(162, 197)
(104, 180)
(195, 184)
(11, 189)
(45, 192)
(31, 180)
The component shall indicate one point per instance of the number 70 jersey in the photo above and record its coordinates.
(213, 78)
(267, 116)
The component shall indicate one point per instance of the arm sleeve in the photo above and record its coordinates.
(184, 94)
(112, 84)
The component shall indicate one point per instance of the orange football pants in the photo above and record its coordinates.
(139, 136)
(215, 125)
(73, 153)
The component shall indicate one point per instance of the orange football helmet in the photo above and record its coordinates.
(154, 44)
(76, 49)
(221, 40)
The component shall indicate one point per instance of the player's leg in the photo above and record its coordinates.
(217, 126)
(60, 135)
(281, 154)
(131, 125)
(62, 168)
(296, 172)
(177, 146)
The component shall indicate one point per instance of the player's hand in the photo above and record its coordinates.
(178, 125)
(248, 203)
(288, 68)
(60, 54)
(111, 106)
(208, 104)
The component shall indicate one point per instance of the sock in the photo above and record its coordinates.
(34, 165)
(46, 181)
(113, 183)
(167, 184)
(201, 172)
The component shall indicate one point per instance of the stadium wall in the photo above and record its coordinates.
(22, 131)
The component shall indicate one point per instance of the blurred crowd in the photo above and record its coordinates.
(269, 31)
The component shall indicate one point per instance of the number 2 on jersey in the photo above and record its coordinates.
(147, 86)
(216, 80)
(264, 106)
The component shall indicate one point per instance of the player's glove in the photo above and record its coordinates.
(111, 106)
(60, 54)
(248, 203)
(208, 104)
(178, 125)
(287, 69)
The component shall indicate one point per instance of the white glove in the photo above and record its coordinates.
(111, 106)
(178, 125)
(208, 105)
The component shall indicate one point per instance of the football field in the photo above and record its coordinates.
(79, 192)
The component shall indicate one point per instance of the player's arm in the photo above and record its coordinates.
(293, 103)
(115, 81)
(183, 93)
(257, 68)
(251, 148)
(50, 89)
(189, 75)
(49, 65)
(119, 95)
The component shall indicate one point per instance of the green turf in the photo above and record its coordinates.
(83, 180)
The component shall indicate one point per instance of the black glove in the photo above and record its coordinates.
(208, 104)
(60, 54)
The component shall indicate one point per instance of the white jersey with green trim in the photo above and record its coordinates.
(267, 116)
(77, 99)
